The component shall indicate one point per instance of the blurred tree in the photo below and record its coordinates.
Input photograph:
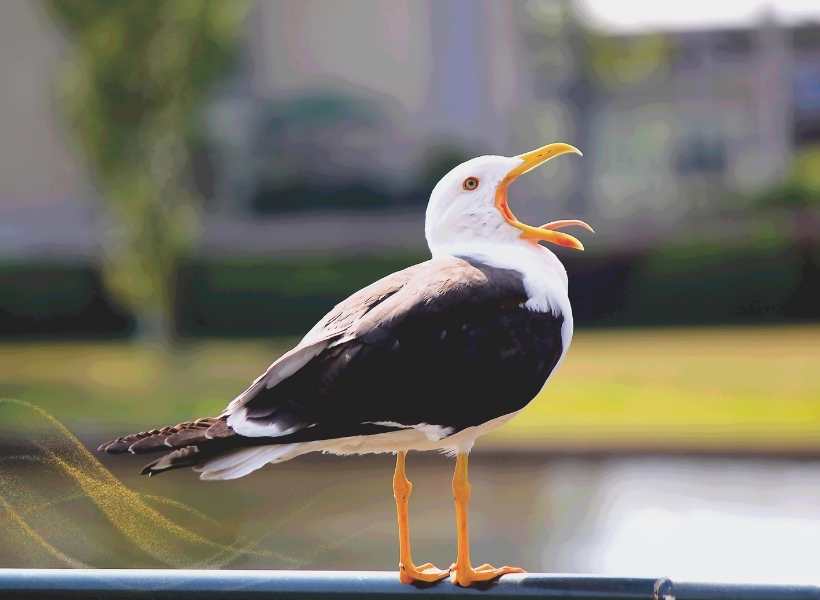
(438, 159)
(799, 195)
(133, 87)
(801, 189)
(618, 62)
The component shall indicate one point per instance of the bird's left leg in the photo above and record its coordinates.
(409, 572)
(463, 572)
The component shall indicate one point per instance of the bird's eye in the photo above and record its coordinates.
(470, 183)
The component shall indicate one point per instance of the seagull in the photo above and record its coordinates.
(428, 358)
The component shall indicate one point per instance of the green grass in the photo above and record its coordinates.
(710, 388)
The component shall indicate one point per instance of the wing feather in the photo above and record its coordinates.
(275, 405)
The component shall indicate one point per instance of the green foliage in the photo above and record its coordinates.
(133, 87)
(618, 62)
(801, 188)
(762, 279)
(705, 282)
(437, 162)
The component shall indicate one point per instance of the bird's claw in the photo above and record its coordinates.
(426, 573)
(466, 576)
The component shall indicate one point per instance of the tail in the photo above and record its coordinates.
(191, 444)
(208, 445)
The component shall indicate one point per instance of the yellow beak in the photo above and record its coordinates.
(547, 232)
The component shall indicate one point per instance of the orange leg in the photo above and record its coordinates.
(409, 572)
(463, 572)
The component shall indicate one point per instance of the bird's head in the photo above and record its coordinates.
(469, 204)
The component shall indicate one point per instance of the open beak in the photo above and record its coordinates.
(549, 231)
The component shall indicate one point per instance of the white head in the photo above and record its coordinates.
(469, 204)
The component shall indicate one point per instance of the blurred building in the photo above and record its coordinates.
(691, 117)
(45, 198)
(360, 106)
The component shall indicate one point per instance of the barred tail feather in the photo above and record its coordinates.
(172, 437)
(184, 457)
(208, 445)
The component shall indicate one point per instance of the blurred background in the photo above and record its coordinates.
(186, 187)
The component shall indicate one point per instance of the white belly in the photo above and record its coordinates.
(407, 439)
(241, 462)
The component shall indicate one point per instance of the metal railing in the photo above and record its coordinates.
(109, 584)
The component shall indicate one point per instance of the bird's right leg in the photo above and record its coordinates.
(409, 572)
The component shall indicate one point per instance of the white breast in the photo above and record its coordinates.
(545, 278)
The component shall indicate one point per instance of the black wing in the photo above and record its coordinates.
(447, 342)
